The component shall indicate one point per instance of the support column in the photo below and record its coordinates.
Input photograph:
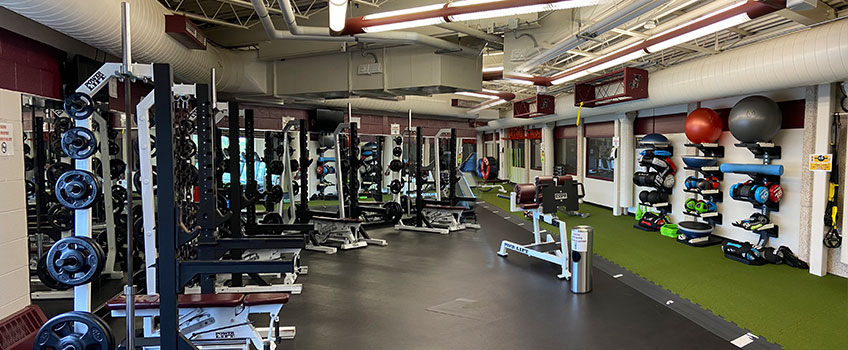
(481, 144)
(500, 143)
(527, 145)
(626, 156)
(547, 149)
(581, 153)
(616, 173)
(818, 138)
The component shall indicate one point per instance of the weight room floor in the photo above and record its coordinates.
(378, 298)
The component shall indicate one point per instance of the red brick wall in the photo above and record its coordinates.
(29, 66)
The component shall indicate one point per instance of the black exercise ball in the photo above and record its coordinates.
(755, 119)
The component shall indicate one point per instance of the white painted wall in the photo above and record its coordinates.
(598, 192)
(14, 267)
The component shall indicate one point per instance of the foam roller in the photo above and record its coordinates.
(762, 169)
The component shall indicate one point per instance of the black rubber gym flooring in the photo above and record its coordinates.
(428, 291)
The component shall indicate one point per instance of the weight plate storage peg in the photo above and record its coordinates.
(75, 260)
(79, 143)
(75, 330)
(77, 189)
(79, 105)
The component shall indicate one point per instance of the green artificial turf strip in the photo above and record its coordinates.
(787, 306)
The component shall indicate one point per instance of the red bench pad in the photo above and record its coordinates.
(265, 298)
(143, 302)
(326, 218)
(444, 207)
(529, 206)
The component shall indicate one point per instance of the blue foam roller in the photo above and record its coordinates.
(763, 169)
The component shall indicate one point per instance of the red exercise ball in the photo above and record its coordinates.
(703, 125)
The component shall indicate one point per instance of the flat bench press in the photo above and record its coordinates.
(542, 199)
(446, 216)
(216, 319)
(345, 232)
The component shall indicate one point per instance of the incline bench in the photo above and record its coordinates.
(345, 232)
(216, 319)
(447, 216)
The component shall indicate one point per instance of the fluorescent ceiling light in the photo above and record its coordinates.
(492, 69)
(519, 81)
(486, 105)
(404, 11)
(514, 11)
(571, 77)
(490, 91)
(439, 19)
(494, 53)
(697, 33)
(623, 59)
(404, 25)
(338, 14)
(474, 94)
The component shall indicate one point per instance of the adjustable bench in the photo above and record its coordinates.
(216, 319)
(446, 216)
(346, 232)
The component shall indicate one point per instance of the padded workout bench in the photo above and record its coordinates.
(217, 319)
(343, 231)
(542, 200)
(446, 216)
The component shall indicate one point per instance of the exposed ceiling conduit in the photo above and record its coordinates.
(734, 14)
(817, 55)
(420, 105)
(98, 23)
(618, 17)
(297, 32)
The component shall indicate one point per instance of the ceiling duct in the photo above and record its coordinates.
(384, 73)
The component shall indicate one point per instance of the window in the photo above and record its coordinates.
(566, 155)
(598, 163)
(536, 154)
(518, 153)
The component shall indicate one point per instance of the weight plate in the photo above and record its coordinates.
(30, 188)
(75, 330)
(77, 189)
(114, 149)
(26, 148)
(60, 218)
(75, 260)
(79, 143)
(56, 170)
(44, 277)
(28, 163)
(62, 124)
(272, 218)
(79, 105)
(117, 168)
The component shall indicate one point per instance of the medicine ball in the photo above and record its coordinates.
(703, 125)
(755, 119)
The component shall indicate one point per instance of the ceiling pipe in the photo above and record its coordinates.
(455, 11)
(814, 56)
(323, 34)
(752, 8)
(479, 34)
(497, 98)
(620, 16)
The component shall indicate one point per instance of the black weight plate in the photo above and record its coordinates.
(77, 189)
(79, 105)
(60, 218)
(28, 163)
(62, 332)
(62, 124)
(26, 148)
(272, 218)
(75, 260)
(57, 169)
(44, 277)
(79, 143)
(398, 140)
(397, 151)
(30, 188)
(117, 168)
(114, 148)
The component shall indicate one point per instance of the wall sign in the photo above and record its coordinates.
(821, 162)
(395, 129)
(7, 143)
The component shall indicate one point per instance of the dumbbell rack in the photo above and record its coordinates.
(767, 152)
(664, 207)
(713, 150)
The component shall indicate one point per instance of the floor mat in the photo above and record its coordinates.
(810, 306)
